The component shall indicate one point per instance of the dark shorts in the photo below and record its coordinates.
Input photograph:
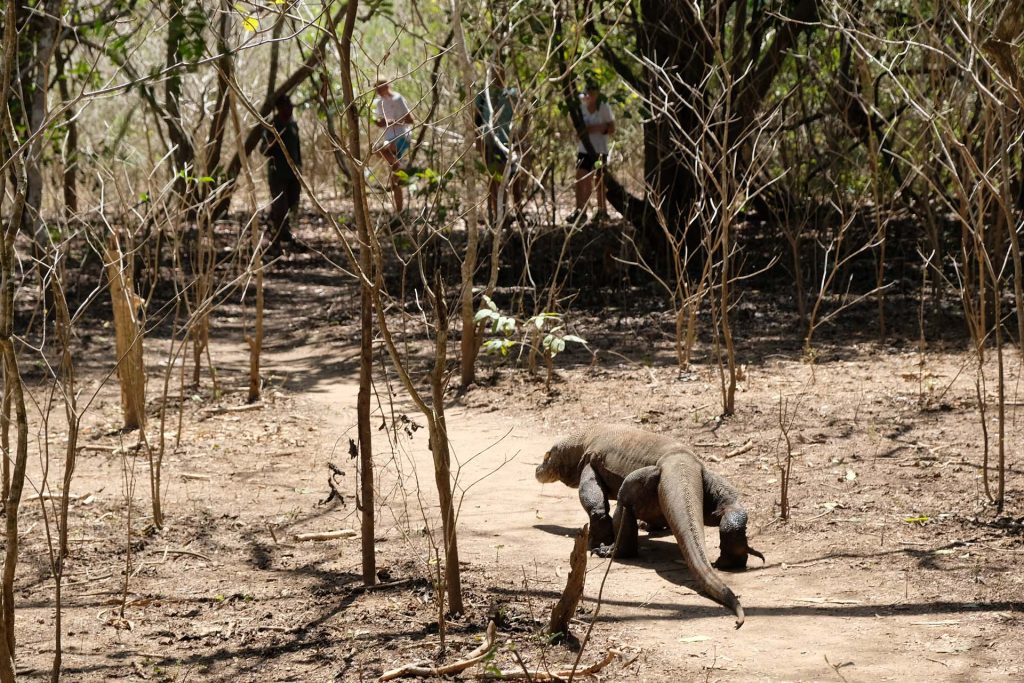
(284, 187)
(494, 156)
(496, 160)
(588, 162)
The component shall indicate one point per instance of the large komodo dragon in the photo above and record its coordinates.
(658, 481)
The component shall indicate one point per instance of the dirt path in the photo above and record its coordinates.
(852, 590)
(811, 615)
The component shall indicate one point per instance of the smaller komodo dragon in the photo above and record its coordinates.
(658, 481)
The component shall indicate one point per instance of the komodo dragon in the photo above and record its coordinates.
(658, 481)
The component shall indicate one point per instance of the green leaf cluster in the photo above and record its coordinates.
(553, 343)
(187, 30)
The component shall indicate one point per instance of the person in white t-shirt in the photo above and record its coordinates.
(600, 125)
(392, 113)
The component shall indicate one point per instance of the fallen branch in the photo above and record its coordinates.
(937, 662)
(561, 675)
(804, 564)
(326, 535)
(373, 587)
(190, 553)
(217, 410)
(998, 550)
(475, 656)
(88, 580)
(565, 609)
(52, 496)
(740, 451)
(829, 511)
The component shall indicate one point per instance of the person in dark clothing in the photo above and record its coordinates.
(281, 175)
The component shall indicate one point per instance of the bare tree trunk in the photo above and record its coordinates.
(225, 72)
(255, 341)
(131, 371)
(67, 387)
(13, 384)
(1001, 397)
(981, 391)
(7, 147)
(439, 446)
(12, 388)
(728, 157)
(69, 156)
(565, 609)
(468, 344)
(275, 52)
(5, 439)
(434, 415)
(362, 216)
(729, 390)
(45, 24)
(203, 269)
(182, 152)
(1009, 218)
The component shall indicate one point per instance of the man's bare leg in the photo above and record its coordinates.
(388, 153)
(584, 187)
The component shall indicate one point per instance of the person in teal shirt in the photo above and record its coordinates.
(494, 111)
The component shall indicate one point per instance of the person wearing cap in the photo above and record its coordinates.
(392, 113)
(282, 147)
(600, 125)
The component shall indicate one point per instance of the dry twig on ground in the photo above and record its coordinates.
(472, 658)
(562, 674)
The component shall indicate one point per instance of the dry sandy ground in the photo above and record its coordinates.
(851, 590)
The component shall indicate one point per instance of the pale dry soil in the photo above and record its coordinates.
(851, 591)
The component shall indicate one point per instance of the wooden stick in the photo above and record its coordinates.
(326, 535)
(566, 606)
(455, 667)
(998, 550)
(216, 410)
(52, 496)
(550, 675)
(740, 451)
(805, 564)
(811, 519)
(190, 553)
